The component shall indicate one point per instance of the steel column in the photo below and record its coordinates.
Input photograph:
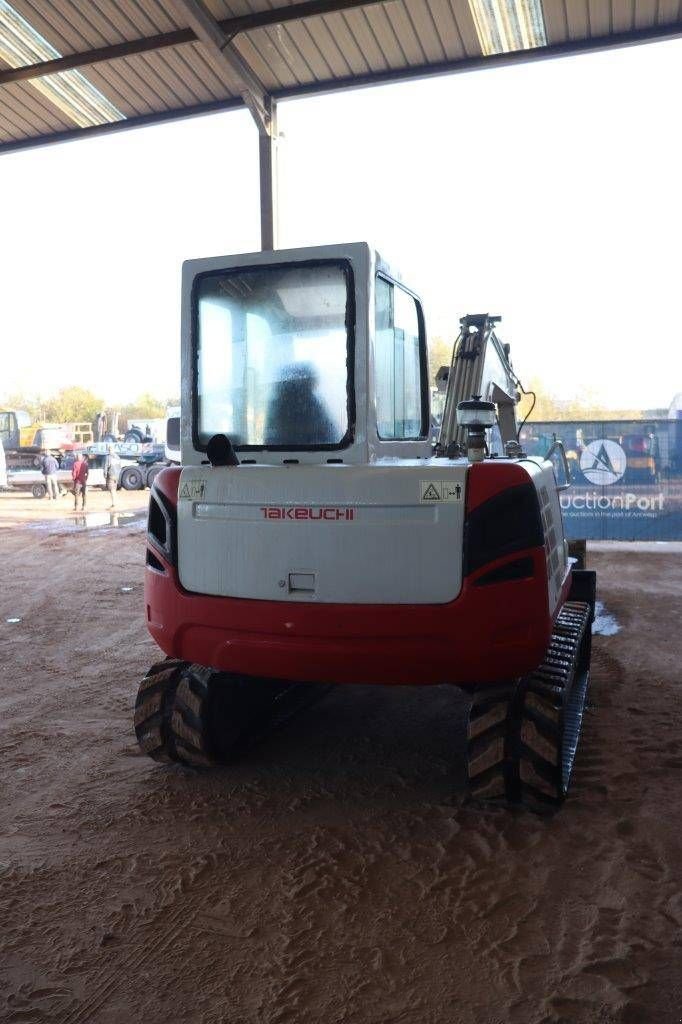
(267, 156)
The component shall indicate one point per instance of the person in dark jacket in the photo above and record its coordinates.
(296, 416)
(49, 467)
(79, 473)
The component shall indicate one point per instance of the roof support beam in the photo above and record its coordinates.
(263, 108)
(226, 56)
(230, 27)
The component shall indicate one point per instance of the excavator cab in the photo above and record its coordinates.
(10, 428)
(316, 355)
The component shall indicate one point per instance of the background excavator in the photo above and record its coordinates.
(315, 535)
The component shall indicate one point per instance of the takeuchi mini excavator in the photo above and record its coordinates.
(315, 535)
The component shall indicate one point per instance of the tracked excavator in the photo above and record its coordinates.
(314, 535)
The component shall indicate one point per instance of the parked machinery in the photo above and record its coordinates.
(314, 535)
(23, 440)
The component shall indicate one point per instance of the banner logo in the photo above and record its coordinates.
(603, 462)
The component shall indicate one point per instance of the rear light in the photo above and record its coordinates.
(518, 569)
(508, 522)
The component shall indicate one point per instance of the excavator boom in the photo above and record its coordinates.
(480, 366)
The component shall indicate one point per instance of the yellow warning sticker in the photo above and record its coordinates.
(440, 490)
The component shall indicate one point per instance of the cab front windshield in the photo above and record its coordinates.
(273, 355)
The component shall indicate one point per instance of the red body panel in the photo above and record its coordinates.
(488, 633)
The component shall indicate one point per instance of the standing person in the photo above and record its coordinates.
(112, 472)
(49, 467)
(101, 425)
(79, 473)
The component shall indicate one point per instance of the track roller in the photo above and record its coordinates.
(192, 715)
(523, 735)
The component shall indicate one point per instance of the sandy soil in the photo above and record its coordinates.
(337, 875)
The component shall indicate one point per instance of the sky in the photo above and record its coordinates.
(548, 193)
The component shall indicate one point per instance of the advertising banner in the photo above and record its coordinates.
(626, 476)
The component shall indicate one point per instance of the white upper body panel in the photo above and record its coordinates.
(388, 533)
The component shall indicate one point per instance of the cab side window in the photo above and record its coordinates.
(399, 364)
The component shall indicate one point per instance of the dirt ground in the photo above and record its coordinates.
(337, 874)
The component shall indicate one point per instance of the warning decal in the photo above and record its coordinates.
(452, 491)
(440, 490)
(430, 491)
(193, 489)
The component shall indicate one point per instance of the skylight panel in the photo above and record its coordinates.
(70, 91)
(506, 25)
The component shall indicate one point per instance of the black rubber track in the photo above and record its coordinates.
(487, 766)
(154, 708)
(192, 715)
(523, 736)
(551, 704)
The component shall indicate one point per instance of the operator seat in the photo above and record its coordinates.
(296, 416)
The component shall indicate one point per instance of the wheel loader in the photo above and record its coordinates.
(314, 534)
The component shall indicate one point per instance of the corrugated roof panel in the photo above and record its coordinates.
(622, 15)
(111, 80)
(577, 19)
(194, 72)
(337, 27)
(195, 55)
(365, 39)
(430, 38)
(403, 27)
(282, 64)
(329, 47)
(448, 31)
(556, 25)
(9, 133)
(669, 11)
(263, 56)
(646, 12)
(184, 90)
(315, 66)
(47, 21)
(136, 83)
(108, 21)
(19, 118)
(30, 110)
(77, 24)
(151, 18)
(466, 28)
(38, 107)
(347, 43)
(386, 38)
(599, 17)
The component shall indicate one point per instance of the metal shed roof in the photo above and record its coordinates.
(146, 63)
